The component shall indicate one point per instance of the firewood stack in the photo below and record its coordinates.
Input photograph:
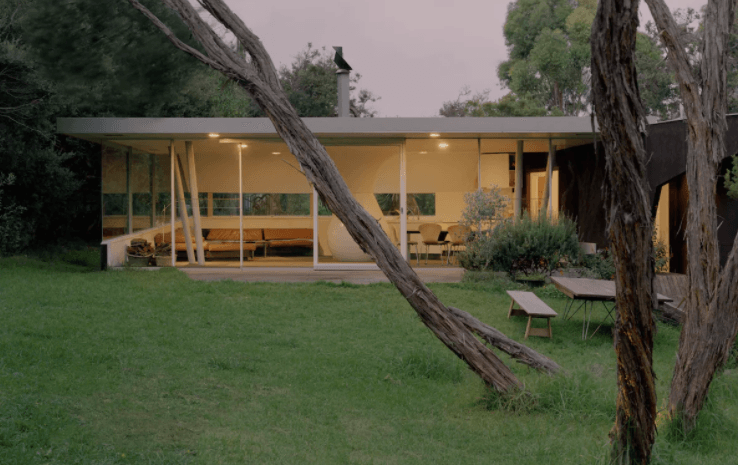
(140, 248)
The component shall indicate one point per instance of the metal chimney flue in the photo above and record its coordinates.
(342, 75)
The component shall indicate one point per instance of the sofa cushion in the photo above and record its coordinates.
(282, 234)
(292, 243)
(179, 238)
(249, 235)
(230, 246)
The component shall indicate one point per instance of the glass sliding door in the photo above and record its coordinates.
(439, 173)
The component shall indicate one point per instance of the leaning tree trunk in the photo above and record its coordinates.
(259, 78)
(622, 125)
(712, 301)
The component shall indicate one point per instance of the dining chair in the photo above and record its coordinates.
(429, 233)
(396, 240)
(457, 236)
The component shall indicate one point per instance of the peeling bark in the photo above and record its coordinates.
(622, 128)
(258, 77)
(711, 320)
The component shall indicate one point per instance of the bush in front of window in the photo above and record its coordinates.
(524, 246)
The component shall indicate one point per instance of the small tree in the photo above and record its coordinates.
(731, 179)
(484, 210)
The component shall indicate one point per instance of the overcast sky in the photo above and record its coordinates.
(414, 54)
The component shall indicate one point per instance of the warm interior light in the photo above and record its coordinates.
(212, 134)
(243, 146)
(443, 145)
(276, 153)
(435, 135)
(423, 152)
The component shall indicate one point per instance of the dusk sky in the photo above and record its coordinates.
(413, 54)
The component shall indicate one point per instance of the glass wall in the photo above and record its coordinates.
(372, 174)
(135, 190)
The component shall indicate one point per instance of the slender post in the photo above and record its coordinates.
(519, 179)
(183, 215)
(551, 163)
(172, 217)
(195, 197)
(129, 192)
(152, 186)
(240, 208)
(316, 232)
(403, 201)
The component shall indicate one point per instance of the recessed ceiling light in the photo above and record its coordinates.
(443, 145)
(212, 134)
(244, 145)
(434, 134)
(276, 153)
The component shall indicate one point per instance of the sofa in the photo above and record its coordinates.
(224, 242)
(277, 238)
(179, 239)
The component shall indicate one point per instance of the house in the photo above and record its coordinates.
(582, 174)
(236, 174)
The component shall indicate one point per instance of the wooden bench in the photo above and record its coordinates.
(533, 307)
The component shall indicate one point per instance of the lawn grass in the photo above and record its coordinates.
(146, 367)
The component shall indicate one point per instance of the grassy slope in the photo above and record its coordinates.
(149, 367)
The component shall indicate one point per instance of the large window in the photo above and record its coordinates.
(276, 204)
(225, 204)
(115, 204)
(255, 204)
(162, 203)
(417, 204)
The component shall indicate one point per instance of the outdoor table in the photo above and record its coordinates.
(590, 291)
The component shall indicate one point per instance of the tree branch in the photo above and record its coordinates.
(677, 57)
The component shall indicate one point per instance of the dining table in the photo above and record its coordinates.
(587, 292)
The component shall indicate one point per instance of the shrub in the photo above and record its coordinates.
(525, 245)
(731, 179)
(599, 265)
(13, 231)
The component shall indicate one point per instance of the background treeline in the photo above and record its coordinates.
(97, 58)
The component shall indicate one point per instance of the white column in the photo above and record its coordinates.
(190, 151)
(240, 208)
(172, 217)
(519, 179)
(152, 185)
(403, 201)
(183, 214)
(129, 192)
(549, 174)
(316, 232)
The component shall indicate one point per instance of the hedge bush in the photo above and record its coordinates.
(524, 246)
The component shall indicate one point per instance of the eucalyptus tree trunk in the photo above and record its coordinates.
(622, 126)
(711, 319)
(258, 77)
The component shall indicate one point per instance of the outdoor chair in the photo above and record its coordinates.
(429, 233)
(457, 236)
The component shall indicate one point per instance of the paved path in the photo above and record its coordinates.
(306, 275)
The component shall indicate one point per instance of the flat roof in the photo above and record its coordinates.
(101, 129)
